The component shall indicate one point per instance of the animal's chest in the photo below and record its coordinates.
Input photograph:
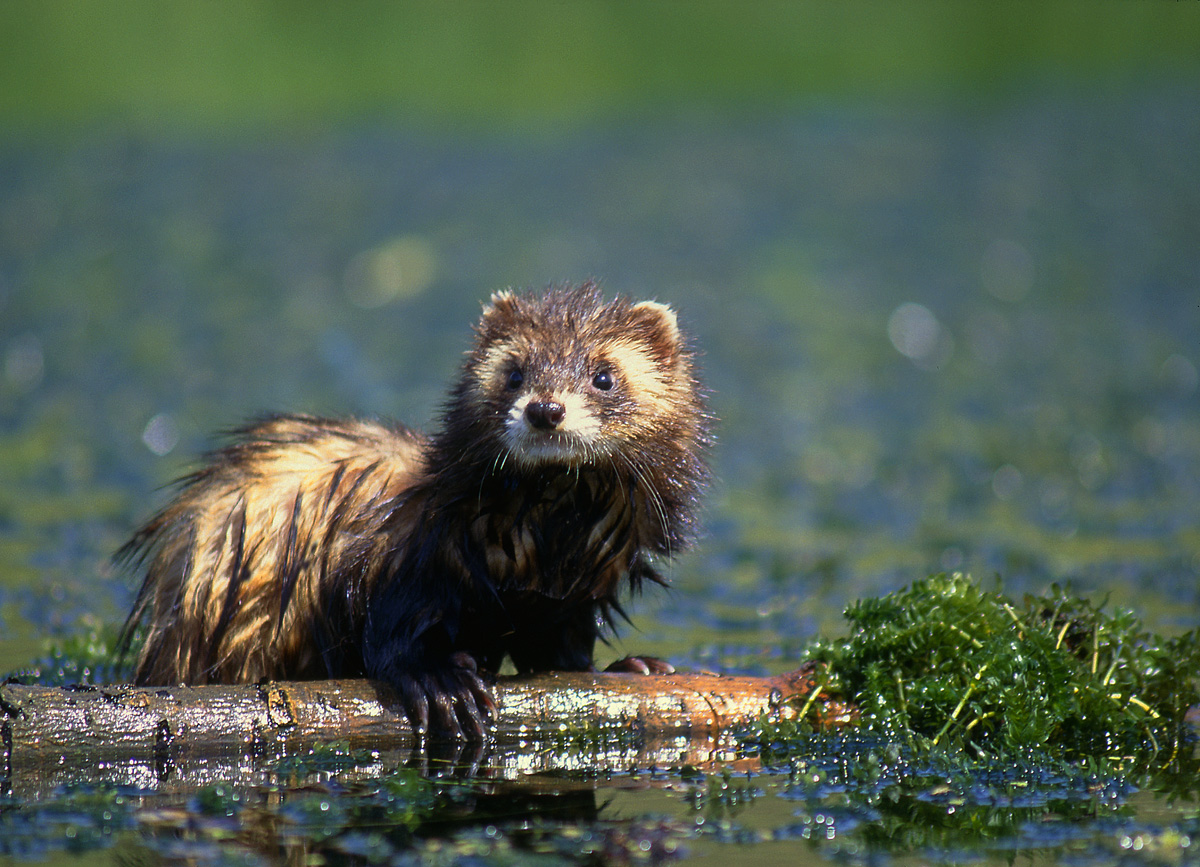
(571, 539)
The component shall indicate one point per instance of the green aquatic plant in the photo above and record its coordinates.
(945, 664)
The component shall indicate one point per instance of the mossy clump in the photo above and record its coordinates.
(942, 663)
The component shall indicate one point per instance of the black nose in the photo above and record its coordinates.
(545, 414)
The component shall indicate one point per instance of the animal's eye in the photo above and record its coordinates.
(515, 378)
(604, 380)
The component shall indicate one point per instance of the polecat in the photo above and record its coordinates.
(571, 452)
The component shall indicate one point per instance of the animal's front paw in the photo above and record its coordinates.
(450, 700)
(642, 665)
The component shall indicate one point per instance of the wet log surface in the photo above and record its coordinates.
(557, 721)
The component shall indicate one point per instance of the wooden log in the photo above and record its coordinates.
(146, 735)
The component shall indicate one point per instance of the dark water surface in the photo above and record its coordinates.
(937, 339)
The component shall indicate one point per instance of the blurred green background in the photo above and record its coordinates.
(188, 67)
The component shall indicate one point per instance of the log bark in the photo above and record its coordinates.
(146, 736)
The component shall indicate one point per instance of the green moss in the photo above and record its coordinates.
(943, 664)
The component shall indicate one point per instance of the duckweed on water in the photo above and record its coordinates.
(327, 758)
(944, 665)
(879, 796)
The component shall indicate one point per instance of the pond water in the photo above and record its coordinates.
(938, 338)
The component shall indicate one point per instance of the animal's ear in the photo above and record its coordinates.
(498, 313)
(659, 323)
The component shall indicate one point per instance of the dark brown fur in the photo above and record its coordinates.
(569, 455)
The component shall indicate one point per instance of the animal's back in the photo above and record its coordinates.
(241, 565)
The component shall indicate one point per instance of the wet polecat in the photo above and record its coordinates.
(570, 453)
